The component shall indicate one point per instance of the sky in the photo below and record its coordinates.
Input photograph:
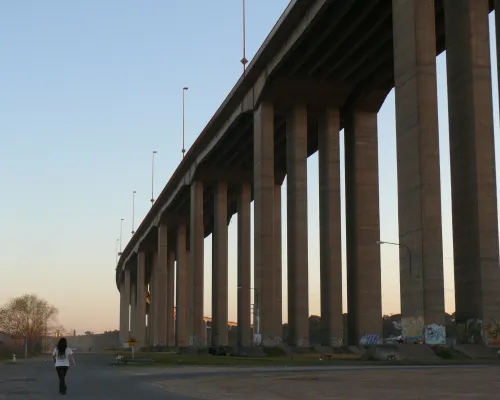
(88, 90)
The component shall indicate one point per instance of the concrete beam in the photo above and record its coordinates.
(212, 175)
(284, 93)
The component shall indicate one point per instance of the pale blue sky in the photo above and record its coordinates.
(87, 91)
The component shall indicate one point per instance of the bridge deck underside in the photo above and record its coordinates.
(351, 41)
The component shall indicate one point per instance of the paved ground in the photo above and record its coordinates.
(458, 383)
(95, 379)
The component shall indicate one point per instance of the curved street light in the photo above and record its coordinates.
(400, 245)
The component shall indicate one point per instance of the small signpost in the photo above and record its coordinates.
(132, 342)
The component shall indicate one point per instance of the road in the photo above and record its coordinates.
(94, 378)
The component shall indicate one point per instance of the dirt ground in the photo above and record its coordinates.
(380, 384)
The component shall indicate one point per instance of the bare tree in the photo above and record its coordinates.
(27, 317)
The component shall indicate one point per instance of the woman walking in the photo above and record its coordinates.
(61, 356)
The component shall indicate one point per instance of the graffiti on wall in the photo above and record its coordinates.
(412, 329)
(435, 334)
(470, 332)
(336, 342)
(491, 333)
(370, 339)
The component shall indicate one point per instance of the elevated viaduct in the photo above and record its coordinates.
(328, 65)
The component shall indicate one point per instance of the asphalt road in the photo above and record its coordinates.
(93, 378)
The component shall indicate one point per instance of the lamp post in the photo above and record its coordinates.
(121, 229)
(184, 90)
(400, 245)
(133, 211)
(116, 250)
(153, 177)
(244, 59)
(256, 310)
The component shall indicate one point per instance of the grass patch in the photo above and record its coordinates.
(274, 352)
(207, 360)
(448, 353)
(447, 357)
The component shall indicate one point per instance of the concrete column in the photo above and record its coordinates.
(264, 219)
(244, 269)
(133, 309)
(124, 307)
(183, 304)
(160, 287)
(128, 293)
(141, 300)
(497, 32)
(330, 242)
(472, 159)
(154, 307)
(219, 268)
(297, 248)
(362, 226)
(197, 238)
(170, 303)
(278, 266)
(417, 134)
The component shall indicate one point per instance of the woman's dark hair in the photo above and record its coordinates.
(61, 348)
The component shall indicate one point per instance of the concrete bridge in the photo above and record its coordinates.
(328, 65)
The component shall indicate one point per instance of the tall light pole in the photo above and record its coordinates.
(116, 250)
(244, 59)
(184, 90)
(153, 178)
(400, 245)
(133, 211)
(121, 230)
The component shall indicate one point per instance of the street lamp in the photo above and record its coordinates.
(133, 210)
(400, 245)
(121, 229)
(244, 59)
(256, 310)
(116, 250)
(184, 90)
(153, 178)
